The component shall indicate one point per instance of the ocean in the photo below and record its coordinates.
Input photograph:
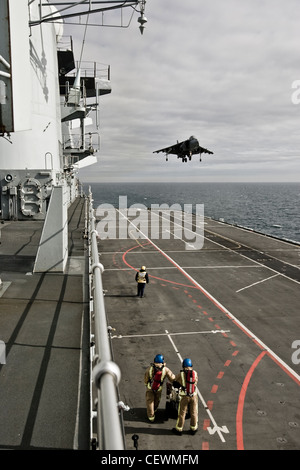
(269, 208)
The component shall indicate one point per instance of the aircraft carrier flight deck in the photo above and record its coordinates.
(231, 306)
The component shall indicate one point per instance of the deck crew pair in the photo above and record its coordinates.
(185, 384)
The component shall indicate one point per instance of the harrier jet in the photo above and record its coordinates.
(185, 149)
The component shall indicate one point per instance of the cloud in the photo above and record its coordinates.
(222, 71)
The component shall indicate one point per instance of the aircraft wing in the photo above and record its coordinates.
(202, 150)
(172, 149)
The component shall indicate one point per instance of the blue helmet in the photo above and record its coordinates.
(187, 363)
(159, 359)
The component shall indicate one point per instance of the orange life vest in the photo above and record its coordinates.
(156, 378)
(188, 378)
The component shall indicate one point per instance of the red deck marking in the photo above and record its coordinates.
(240, 408)
(228, 314)
(205, 446)
(214, 389)
(192, 286)
(227, 363)
(210, 404)
(235, 353)
(220, 375)
(290, 372)
(206, 424)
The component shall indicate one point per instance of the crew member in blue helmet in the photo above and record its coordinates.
(154, 379)
(187, 381)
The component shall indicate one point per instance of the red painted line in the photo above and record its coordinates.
(206, 424)
(210, 404)
(218, 305)
(241, 402)
(227, 363)
(205, 446)
(195, 285)
(220, 375)
(214, 389)
(235, 353)
(192, 286)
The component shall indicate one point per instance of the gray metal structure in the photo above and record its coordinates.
(105, 372)
(70, 385)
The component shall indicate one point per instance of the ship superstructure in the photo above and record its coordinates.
(47, 100)
(50, 274)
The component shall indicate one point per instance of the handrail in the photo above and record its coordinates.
(105, 372)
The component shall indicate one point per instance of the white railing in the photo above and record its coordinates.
(106, 422)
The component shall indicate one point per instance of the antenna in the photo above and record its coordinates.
(81, 8)
(142, 19)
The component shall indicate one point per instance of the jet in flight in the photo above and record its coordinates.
(185, 149)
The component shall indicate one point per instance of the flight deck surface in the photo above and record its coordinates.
(233, 308)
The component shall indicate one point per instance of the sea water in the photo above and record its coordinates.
(269, 208)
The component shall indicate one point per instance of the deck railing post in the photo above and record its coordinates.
(105, 372)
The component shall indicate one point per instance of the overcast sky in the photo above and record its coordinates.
(221, 70)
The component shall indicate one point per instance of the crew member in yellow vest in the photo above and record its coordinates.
(187, 381)
(142, 279)
(154, 379)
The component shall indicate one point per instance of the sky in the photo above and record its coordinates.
(227, 72)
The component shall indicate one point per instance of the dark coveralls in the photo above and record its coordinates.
(142, 279)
